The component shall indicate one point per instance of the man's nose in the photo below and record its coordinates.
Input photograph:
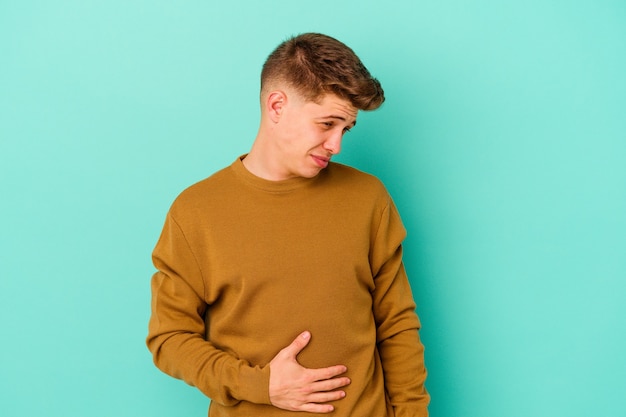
(333, 144)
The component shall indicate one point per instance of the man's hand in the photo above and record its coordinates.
(295, 388)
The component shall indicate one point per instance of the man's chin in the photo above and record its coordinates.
(312, 174)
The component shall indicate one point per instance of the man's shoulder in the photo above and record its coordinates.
(208, 188)
(354, 178)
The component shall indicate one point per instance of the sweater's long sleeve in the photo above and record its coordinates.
(177, 328)
(401, 351)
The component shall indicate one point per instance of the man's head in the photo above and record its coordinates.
(312, 87)
(316, 65)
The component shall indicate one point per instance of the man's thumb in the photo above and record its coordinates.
(299, 343)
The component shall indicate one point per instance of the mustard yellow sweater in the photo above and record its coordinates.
(245, 265)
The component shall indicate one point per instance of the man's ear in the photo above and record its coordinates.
(275, 102)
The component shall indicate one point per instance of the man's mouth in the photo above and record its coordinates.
(321, 161)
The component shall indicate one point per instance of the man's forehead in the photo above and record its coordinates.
(338, 107)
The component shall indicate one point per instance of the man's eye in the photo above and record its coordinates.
(346, 130)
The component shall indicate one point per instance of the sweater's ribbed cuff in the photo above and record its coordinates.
(255, 384)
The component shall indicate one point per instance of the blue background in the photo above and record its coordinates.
(502, 142)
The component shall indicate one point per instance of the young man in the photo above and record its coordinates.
(280, 284)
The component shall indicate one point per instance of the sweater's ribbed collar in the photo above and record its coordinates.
(266, 185)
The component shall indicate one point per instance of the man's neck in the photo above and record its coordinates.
(257, 162)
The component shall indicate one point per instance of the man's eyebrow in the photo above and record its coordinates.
(343, 119)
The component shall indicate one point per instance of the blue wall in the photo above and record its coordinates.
(502, 141)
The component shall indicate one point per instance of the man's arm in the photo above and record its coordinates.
(401, 351)
(176, 340)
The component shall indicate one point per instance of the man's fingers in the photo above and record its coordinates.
(317, 408)
(329, 384)
(325, 397)
(321, 374)
(318, 402)
(298, 344)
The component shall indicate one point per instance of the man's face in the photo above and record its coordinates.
(310, 133)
